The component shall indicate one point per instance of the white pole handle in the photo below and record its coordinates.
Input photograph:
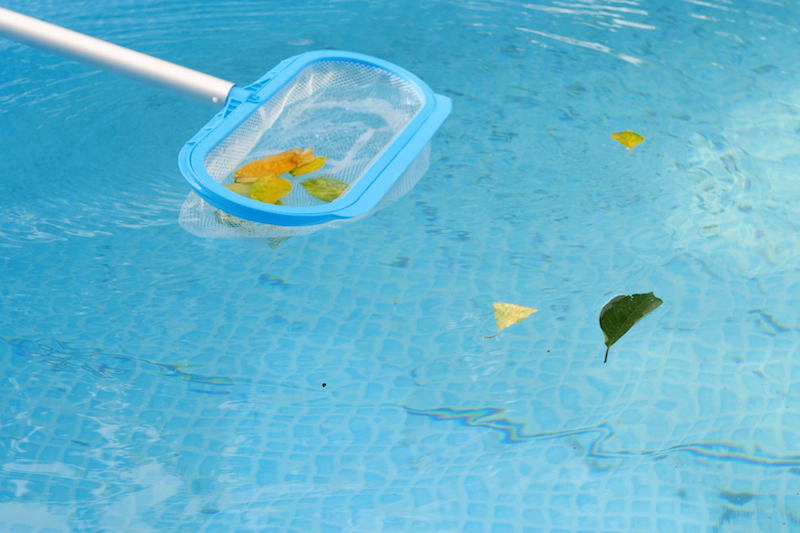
(113, 58)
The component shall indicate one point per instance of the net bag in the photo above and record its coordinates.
(371, 120)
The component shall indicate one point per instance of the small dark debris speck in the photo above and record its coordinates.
(324, 384)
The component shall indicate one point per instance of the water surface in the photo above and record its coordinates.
(154, 381)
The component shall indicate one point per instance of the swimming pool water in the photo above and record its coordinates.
(154, 381)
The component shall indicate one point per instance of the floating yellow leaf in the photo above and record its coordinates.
(315, 164)
(274, 164)
(509, 314)
(270, 189)
(324, 188)
(239, 188)
(629, 139)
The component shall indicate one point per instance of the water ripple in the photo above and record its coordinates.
(62, 356)
(513, 432)
(584, 44)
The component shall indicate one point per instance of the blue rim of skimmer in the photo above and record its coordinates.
(368, 190)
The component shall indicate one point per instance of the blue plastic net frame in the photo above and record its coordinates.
(255, 103)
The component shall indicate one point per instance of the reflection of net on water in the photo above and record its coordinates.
(742, 210)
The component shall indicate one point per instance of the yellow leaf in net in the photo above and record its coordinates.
(629, 139)
(249, 180)
(509, 314)
(274, 164)
(270, 189)
(239, 188)
(307, 156)
(324, 188)
(230, 220)
(315, 164)
(274, 242)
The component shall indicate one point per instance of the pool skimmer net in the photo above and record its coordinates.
(371, 120)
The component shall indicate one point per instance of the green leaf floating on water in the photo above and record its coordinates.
(324, 188)
(622, 312)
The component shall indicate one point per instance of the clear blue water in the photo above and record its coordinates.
(154, 381)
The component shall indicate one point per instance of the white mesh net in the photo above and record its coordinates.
(348, 112)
